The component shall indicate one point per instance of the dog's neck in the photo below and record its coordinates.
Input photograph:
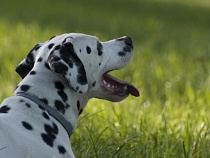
(54, 91)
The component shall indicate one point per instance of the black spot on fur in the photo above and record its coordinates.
(51, 129)
(50, 135)
(99, 64)
(78, 105)
(121, 53)
(61, 149)
(94, 83)
(28, 105)
(81, 77)
(80, 50)
(24, 88)
(45, 115)
(59, 85)
(32, 72)
(99, 48)
(47, 66)
(100, 53)
(60, 106)
(40, 59)
(21, 101)
(63, 95)
(88, 49)
(48, 138)
(4, 109)
(80, 111)
(27, 125)
(50, 45)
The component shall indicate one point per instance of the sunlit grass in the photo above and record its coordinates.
(171, 68)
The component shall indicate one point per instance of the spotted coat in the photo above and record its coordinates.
(64, 72)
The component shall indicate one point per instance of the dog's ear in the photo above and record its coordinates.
(64, 61)
(27, 64)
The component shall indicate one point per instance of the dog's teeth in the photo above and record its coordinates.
(108, 85)
(112, 86)
(104, 82)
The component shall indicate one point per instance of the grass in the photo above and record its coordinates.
(171, 68)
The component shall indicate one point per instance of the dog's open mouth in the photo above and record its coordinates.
(118, 87)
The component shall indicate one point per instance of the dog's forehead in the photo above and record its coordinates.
(82, 36)
(83, 39)
(76, 38)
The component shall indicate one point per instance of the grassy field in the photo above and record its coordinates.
(171, 68)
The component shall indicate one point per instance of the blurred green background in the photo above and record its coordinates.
(170, 67)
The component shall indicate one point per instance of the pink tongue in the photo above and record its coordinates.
(130, 88)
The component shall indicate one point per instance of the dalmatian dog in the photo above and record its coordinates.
(59, 77)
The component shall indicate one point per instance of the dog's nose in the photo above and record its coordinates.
(127, 40)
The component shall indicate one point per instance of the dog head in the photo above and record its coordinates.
(83, 61)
